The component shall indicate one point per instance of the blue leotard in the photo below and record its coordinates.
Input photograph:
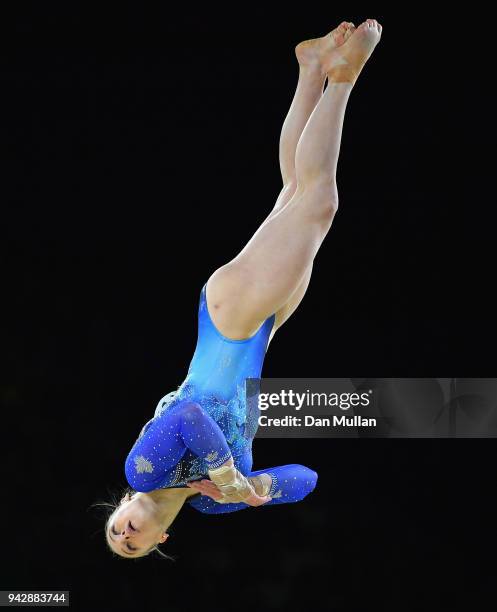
(207, 421)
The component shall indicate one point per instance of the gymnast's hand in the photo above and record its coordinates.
(209, 488)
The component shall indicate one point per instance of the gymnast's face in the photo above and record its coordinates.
(134, 527)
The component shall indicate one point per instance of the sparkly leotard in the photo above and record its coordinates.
(207, 421)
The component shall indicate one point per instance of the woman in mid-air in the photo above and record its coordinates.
(198, 445)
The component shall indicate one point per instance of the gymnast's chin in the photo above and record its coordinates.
(139, 521)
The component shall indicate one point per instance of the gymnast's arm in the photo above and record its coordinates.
(151, 462)
(285, 484)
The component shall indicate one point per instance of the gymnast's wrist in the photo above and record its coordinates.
(262, 484)
(229, 463)
(225, 474)
(231, 482)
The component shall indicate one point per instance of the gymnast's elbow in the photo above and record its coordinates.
(310, 481)
(141, 482)
(301, 481)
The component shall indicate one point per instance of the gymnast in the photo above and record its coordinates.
(198, 446)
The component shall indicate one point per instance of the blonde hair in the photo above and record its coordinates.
(114, 505)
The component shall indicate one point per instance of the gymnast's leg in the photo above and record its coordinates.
(262, 278)
(311, 56)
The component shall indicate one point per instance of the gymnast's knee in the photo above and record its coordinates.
(321, 198)
(289, 188)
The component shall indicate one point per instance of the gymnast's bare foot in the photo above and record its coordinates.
(344, 63)
(311, 54)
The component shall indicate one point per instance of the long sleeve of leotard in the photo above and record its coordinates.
(290, 483)
(150, 463)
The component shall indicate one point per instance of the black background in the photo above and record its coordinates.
(140, 153)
